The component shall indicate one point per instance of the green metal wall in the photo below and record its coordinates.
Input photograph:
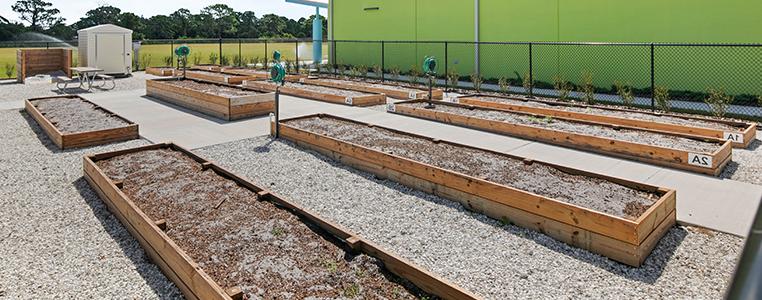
(671, 21)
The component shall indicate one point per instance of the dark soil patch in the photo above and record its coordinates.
(266, 251)
(73, 115)
(595, 194)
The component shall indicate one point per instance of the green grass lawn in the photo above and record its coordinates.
(156, 55)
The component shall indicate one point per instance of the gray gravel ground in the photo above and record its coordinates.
(747, 163)
(636, 136)
(12, 91)
(494, 260)
(72, 115)
(57, 238)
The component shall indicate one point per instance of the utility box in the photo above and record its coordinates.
(107, 47)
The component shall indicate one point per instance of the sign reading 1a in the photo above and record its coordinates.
(733, 137)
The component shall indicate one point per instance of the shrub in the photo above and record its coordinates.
(718, 102)
(415, 75)
(526, 82)
(452, 79)
(759, 100)
(563, 87)
(504, 85)
(587, 88)
(196, 59)
(661, 97)
(625, 92)
(343, 71)
(213, 58)
(395, 72)
(145, 61)
(378, 71)
(168, 60)
(237, 60)
(477, 81)
(362, 71)
(225, 60)
(255, 61)
(10, 68)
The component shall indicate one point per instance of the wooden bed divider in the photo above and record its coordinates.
(258, 74)
(741, 138)
(81, 139)
(186, 273)
(215, 76)
(30, 62)
(223, 107)
(390, 91)
(705, 163)
(623, 240)
(365, 100)
(161, 71)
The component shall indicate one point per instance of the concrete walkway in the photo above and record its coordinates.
(719, 204)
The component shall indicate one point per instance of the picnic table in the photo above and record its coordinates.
(86, 75)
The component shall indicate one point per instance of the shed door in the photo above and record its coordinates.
(109, 53)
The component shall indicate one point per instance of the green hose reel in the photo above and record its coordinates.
(183, 50)
(276, 56)
(277, 73)
(430, 65)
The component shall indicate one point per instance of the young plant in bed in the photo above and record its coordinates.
(718, 102)
(213, 57)
(414, 75)
(167, 60)
(661, 97)
(504, 85)
(526, 82)
(587, 88)
(452, 79)
(625, 93)
(476, 81)
(9, 69)
(395, 71)
(378, 71)
(563, 87)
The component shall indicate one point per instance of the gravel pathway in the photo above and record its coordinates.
(636, 136)
(620, 114)
(747, 164)
(72, 115)
(491, 259)
(20, 92)
(57, 238)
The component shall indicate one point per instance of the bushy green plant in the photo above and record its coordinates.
(452, 79)
(587, 88)
(759, 100)
(526, 82)
(225, 60)
(625, 93)
(288, 64)
(237, 60)
(563, 87)
(255, 61)
(10, 68)
(362, 71)
(661, 98)
(168, 60)
(718, 102)
(196, 59)
(342, 71)
(378, 71)
(504, 85)
(145, 61)
(395, 72)
(476, 81)
(213, 57)
(415, 75)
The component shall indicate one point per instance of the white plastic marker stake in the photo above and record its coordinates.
(733, 137)
(348, 100)
(413, 95)
(700, 160)
(391, 107)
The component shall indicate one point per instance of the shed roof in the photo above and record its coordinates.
(107, 28)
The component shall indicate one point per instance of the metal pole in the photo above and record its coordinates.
(266, 58)
(383, 60)
(277, 110)
(220, 61)
(297, 56)
(446, 71)
(335, 63)
(240, 58)
(653, 81)
(172, 53)
(531, 73)
(47, 45)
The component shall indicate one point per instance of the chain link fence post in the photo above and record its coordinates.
(296, 53)
(171, 52)
(653, 81)
(383, 60)
(531, 73)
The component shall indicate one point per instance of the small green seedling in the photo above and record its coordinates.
(718, 102)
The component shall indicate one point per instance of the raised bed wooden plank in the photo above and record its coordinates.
(226, 107)
(332, 95)
(207, 67)
(621, 239)
(742, 135)
(216, 77)
(161, 71)
(710, 163)
(190, 278)
(85, 138)
(258, 74)
(394, 91)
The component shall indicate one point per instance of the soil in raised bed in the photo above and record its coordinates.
(628, 135)
(72, 115)
(266, 251)
(321, 89)
(217, 74)
(620, 114)
(592, 193)
(371, 84)
(210, 88)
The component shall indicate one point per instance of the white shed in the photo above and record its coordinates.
(107, 47)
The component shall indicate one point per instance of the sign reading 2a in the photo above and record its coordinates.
(700, 160)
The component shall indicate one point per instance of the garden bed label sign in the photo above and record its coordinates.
(454, 99)
(302, 80)
(413, 95)
(733, 137)
(700, 160)
(348, 100)
(391, 107)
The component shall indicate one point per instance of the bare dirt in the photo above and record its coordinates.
(620, 114)
(322, 89)
(595, 194)
(634, 136)
(210, 88)
(266, 251)
(72, 115)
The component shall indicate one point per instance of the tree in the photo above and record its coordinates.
(160, 27)
(306, 26)
(134, 22)
(182, 22)
(271, 26)
(102, 15)
(223, 17)
(38, 13)
(247, 25)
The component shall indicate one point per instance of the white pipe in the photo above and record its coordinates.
(476, 37)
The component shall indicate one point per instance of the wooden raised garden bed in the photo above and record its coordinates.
(321, 93)
(215, 99)
(394, 91)
(216, 77)
(72, 122)
(258, 74)
(741, 134)
(219, 236)
(620, 219)
(161, 71)
(209, 68)
(680, 151)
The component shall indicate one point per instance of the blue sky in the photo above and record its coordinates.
(72, 10)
